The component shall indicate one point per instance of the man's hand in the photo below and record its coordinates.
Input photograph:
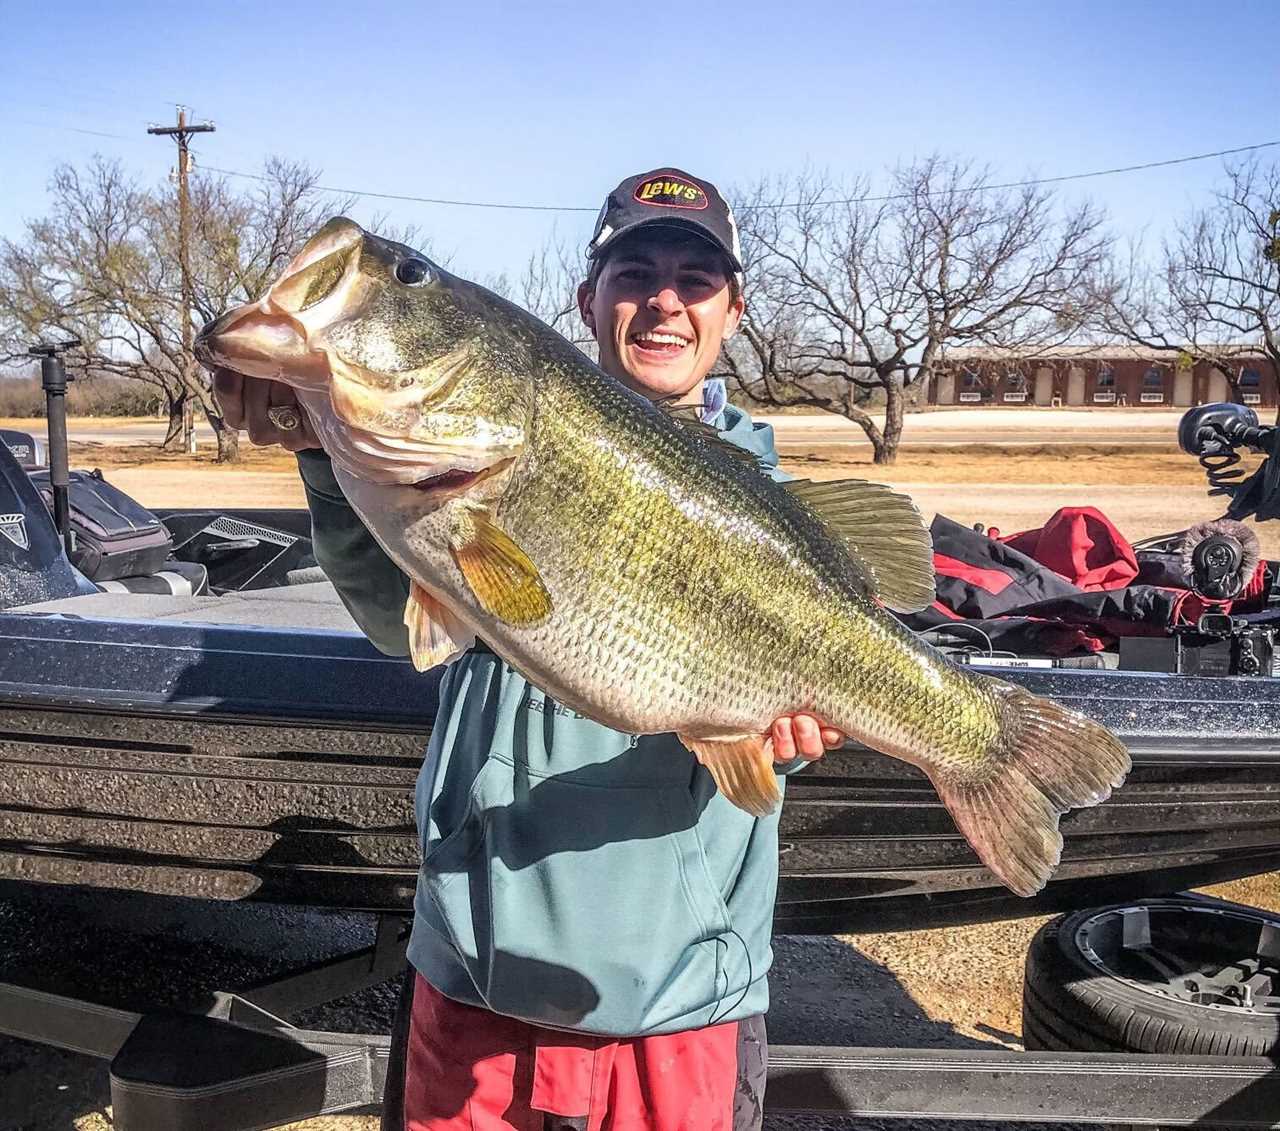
(246, 403)
(803, 736)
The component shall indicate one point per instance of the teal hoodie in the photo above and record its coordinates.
(572, 875)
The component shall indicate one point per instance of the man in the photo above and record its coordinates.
(592, 921)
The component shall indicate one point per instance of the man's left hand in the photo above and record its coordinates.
(802, 736)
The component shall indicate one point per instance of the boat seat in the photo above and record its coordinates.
(315, 605)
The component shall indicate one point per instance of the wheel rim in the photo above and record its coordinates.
(1213, 957)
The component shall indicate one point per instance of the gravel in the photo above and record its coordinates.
(129, 950)
(949, 988)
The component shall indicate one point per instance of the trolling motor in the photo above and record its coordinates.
(53, 379)
(1213, 433)
(1221, 556)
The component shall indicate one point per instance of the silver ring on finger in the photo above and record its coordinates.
(285, 417)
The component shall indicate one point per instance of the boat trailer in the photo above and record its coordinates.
(240, 1065)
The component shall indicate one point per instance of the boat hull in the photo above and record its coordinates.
(276, 764)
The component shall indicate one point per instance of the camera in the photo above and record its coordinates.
(1218, 644)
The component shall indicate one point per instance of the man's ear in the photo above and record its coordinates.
(737, 308)
(586, 297)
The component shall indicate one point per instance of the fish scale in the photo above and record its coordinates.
(634, 566)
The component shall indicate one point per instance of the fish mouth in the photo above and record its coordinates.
(259, 343)
(457, 480)
(271, 338)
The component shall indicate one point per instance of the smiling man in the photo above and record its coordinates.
(666, 273)
(592, 924)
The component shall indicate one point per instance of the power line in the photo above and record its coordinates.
(1120, 168)
(825, 203)
(81, 91)
(72, 129)
(419, 199)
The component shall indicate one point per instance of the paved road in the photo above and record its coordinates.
(934, 430)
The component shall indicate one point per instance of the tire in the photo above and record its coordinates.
(1084, 990)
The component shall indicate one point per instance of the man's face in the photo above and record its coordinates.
(660, 310)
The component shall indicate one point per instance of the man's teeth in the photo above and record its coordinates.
(661, 339)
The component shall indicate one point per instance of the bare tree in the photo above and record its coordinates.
(548, 289)
(1212, 294)
(850, 297)
(103, 266)
(83, 272)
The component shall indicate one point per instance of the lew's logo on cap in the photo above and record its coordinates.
(671, 193)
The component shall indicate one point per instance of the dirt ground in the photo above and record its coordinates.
(963, 983)
(1145, 491)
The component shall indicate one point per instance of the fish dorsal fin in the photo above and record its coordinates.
(501, 576)
(883, 530)
(688, 418)
(436, 636)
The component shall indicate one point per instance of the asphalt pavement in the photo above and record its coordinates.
(1133, 427)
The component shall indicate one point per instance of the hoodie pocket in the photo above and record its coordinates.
(582, 906)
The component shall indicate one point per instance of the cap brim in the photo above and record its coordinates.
(679, 224)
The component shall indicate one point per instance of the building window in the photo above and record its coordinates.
(1153, 386)
(1015, 388)
(971, 390)
(1251, 386)
(1105, 389)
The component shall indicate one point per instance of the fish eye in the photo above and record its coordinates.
(413, 272)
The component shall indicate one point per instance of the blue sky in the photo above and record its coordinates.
(554, 103)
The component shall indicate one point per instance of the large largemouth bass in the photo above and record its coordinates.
(630, 563)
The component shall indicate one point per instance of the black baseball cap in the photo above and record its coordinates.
(673, 199)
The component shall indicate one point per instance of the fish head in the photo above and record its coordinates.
(392, 357)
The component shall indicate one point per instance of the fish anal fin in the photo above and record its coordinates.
(742, 767)
(1047, 760)
(436, 636)
(499, 573)
(883, 530)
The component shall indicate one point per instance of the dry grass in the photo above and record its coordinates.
(1145, 491)
(975, 463)
(1108, 465)
(109, 456)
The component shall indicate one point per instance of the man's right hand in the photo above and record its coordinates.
(246, 401)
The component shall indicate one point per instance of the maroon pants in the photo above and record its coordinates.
(457, 1068)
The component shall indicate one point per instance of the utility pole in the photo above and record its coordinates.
(182, 134)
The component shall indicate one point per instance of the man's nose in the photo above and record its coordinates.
(666, 302)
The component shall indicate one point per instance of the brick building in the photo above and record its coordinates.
(1098, 375)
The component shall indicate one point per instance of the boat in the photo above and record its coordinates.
(241, 740)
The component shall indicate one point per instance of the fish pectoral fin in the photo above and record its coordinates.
(436, 636)
(742, 766)
(883, 530)
(501, 576)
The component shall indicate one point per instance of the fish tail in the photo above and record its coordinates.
(1047, 759)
